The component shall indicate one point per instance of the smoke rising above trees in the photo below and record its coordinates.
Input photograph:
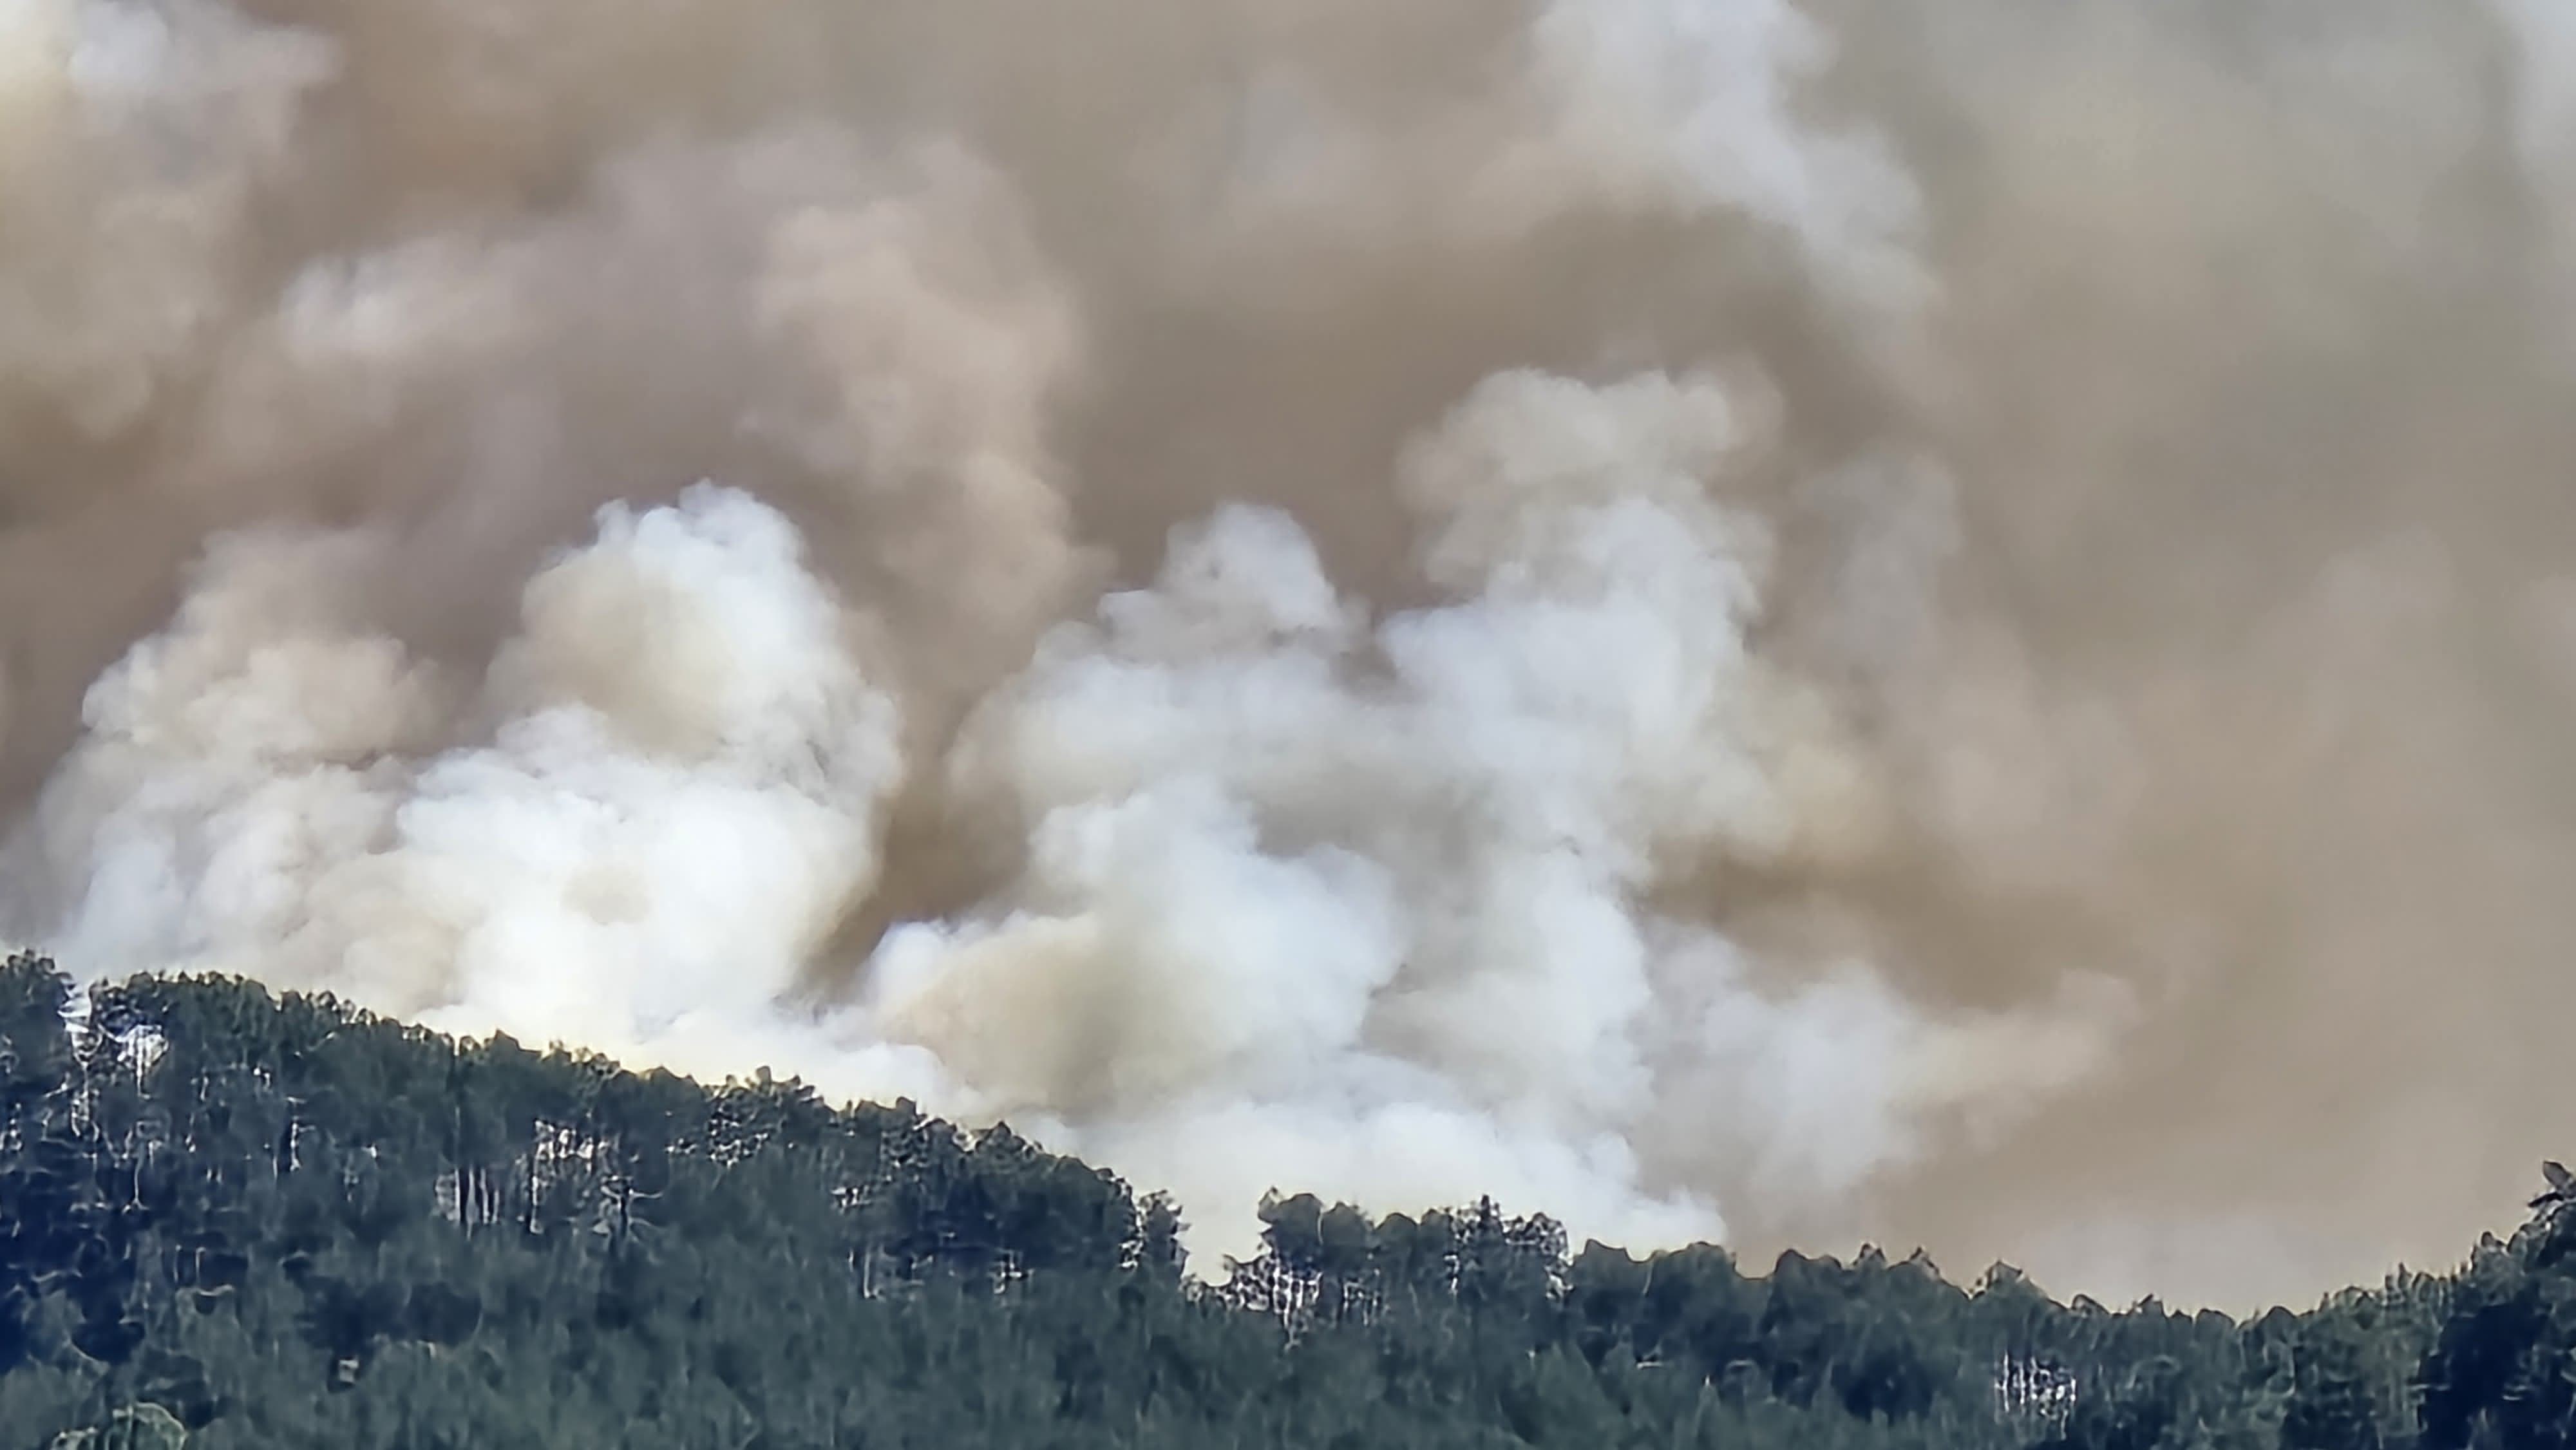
(1723, 617)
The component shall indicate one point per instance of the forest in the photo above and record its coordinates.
(232, 1220)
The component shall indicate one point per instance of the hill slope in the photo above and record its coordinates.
(231, 1220)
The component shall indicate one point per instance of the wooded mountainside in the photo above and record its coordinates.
(236, 1222)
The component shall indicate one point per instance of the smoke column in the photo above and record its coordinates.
(1774, 620)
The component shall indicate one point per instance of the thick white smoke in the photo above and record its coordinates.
(1309, 894)
(1769, 618)
(1307, 898)
(632, 834)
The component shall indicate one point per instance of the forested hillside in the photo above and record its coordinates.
(228, 1220)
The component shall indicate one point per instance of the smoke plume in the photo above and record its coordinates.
(1777, 620)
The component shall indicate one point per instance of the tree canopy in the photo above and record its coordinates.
(235, 1220)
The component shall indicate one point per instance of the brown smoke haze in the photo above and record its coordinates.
(1786, 622)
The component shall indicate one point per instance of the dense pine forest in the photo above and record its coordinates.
(234, 1220)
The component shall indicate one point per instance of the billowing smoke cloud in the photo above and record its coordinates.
(1722, 617)
(642, 823)
(1372, 905)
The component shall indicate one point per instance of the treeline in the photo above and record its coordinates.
(231, 1220)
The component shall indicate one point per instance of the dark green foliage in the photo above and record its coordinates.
(228, 1220)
